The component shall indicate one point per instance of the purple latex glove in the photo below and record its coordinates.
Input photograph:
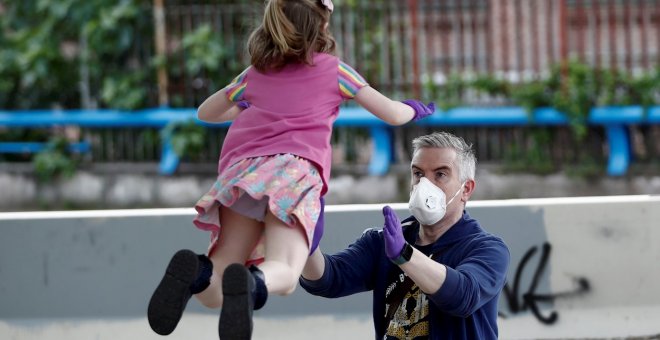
(243, 104)
(421, 110)
(392, 233)
(318, 230)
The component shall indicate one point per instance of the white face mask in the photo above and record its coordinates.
(427, 202)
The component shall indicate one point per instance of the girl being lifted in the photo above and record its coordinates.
(273, 170)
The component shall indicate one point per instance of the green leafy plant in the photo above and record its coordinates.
(55, 161)
(491, 85)
(575, 88)
(576, 95)
(124, 91)
(587, 168)
(449, 94)
(202, 60)
(644, 90)
(204, 50)
(187, 137)
(533, 157)
(532, 95)
(60, 53)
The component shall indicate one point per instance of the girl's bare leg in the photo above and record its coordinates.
(238, 237)
(286, 254)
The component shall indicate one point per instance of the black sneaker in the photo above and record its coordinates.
(172, 294)
(236, 316)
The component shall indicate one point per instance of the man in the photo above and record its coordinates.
(436, 274)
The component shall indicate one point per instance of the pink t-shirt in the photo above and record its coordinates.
(291, 111)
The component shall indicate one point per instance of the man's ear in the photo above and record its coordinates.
(468, 189)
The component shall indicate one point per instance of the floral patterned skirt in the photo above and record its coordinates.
(287, 185)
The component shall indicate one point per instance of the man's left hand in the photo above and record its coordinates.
(392, 233)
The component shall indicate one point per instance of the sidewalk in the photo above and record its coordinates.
(617, 323)
(195, 326)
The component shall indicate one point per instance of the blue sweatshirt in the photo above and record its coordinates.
(465, 306)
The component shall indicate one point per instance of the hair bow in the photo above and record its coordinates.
(328, 4)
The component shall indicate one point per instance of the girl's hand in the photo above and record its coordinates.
(421, 110)
(243, 104)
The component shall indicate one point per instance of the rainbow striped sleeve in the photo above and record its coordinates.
(350, 82)
(236, 88)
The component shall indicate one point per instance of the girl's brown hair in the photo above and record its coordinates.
(291, 31)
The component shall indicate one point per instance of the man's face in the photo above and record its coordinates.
(439, 166)
(436, 164)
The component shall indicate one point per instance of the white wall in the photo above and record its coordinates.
(106, 263)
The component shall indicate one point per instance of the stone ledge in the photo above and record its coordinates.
(91, 190)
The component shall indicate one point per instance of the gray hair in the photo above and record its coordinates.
(467, 162)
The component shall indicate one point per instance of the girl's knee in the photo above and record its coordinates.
(209, 300)
(291, 286)
(288, 291)
(211, 304)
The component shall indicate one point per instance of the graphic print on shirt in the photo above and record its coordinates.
(410, 321)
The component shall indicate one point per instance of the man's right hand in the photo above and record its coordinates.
(392, 233)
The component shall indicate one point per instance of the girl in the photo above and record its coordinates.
(274, 167)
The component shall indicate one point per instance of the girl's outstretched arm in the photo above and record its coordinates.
(391, 111)
(217, 108)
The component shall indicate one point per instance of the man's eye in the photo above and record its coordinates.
(417, 174)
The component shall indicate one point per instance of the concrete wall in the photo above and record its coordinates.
(119, 190)
(106, 263)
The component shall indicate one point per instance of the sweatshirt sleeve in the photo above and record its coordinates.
(474, 281)
(349, 271)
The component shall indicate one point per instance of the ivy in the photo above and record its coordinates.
(449, 94)
(53, 51)
(55, 161)
(125, 91)
(534, 157)
(204, 50)
(491, 86)
(187, 137)
(573, 89)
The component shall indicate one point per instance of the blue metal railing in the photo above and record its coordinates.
(614, 120)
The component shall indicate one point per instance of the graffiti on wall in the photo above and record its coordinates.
(519, 301)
